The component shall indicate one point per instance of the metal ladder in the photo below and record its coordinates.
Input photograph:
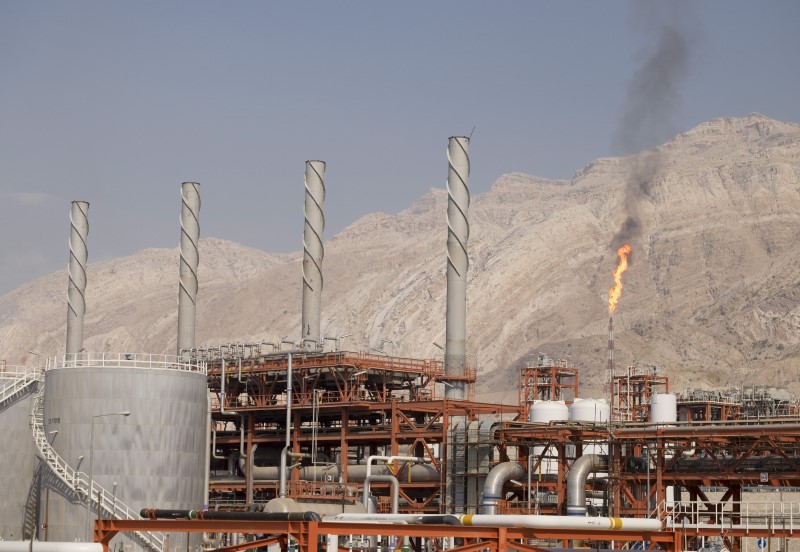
(78, 482)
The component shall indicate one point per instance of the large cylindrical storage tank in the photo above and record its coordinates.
(19, 477)
(544, 412)
(152, 458)
(591, 411)
(663, 408)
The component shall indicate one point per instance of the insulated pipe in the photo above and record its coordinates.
(44, 546)
(576, 481)
(313, 252)
(455, 355)
(76, 290)
(413, 519)
(189, 261)
(389, 460)
(357, 473)
(563, 522)
(285, 451)
(493, 486)
(385, 479)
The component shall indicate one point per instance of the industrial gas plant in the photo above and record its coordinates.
(302, 444)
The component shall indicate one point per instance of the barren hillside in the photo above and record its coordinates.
(711, 296)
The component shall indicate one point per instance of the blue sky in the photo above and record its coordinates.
(117, 103)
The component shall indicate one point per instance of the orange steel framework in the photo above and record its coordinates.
(549, 381)
(686, 458)
(344, 404)
(632, 391)
(309, 535)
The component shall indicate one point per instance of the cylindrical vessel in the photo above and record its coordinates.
(76, 290)
(153, 456)
(189, 261)
(313, 253)
(663, 408)
(455, 351)
(19, 479)
(591, 411)
(544, 412)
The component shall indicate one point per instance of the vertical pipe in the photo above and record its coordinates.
(611, 359)
(457, 263)
(78, 254)
(313, 252)
(189, 260)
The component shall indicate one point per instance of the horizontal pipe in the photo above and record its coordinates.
(397, 518)
(43, 546)
(563, 522)
(151, 513)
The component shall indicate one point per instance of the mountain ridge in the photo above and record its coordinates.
(710, 296)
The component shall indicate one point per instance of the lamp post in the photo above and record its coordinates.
(91, 467)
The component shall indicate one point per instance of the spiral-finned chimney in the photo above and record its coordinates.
(189, 261)
(313, 252)
(455, 355)
(76, 292)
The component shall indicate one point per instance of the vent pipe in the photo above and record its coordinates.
(457, 263)
(189, 261)
(76, 292)
(313, 252)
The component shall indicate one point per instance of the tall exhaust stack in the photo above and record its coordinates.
(189, 261)
(313, 252)
(455, 354)
(76, 292)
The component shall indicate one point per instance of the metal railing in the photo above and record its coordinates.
(12, 384)
(778, 516)
(78, 482)
(126, 360)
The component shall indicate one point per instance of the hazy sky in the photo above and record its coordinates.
(117, 103)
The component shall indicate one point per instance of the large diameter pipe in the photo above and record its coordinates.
(493, 486)
(384, 479)
(189, 261)
(313, 252)
(563, 522)
(76, 292)
(455, 354)
(576, 481)
(44, 546)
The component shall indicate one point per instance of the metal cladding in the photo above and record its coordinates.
(190, 259)
(19, 479)
(313, 252)
(78, 254)
(457, 263)
(156, 455)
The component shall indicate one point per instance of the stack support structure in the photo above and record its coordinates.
(155, 455)
(189, 261)
(313, 252)
(457, 264)
(78, 255)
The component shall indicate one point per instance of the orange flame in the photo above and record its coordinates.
(615, 292)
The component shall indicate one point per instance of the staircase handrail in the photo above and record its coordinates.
(78, 482)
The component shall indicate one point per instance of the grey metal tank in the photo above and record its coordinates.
(153, 457)
(19, 478)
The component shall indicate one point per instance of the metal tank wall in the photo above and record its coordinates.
(18, 479)
(545, 412)
(155, 457)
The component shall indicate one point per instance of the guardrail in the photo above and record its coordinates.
(126, 360)
(78, 482)
(775, 515)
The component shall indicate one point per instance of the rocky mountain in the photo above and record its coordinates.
(711, 296)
